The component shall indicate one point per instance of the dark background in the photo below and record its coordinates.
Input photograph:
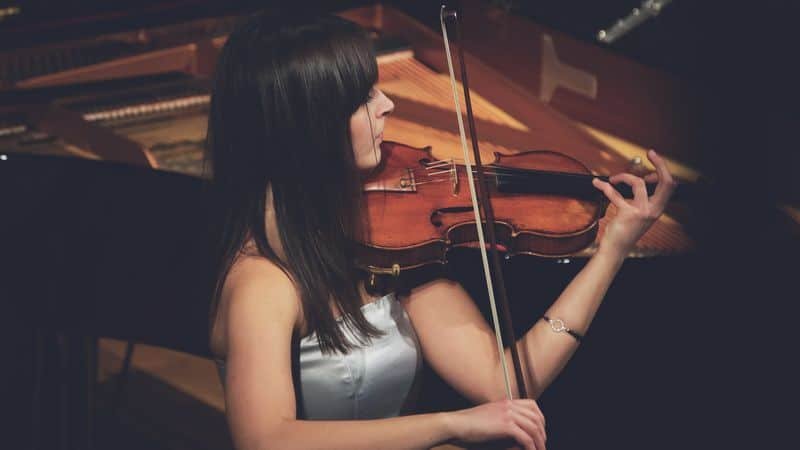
(690, 351)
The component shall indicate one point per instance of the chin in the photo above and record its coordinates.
(370, 160)
(367, 166)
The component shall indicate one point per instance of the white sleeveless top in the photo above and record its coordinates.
(370, 382)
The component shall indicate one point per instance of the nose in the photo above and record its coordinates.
(386, 105)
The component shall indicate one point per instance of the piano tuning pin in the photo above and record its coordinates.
(143, 37)
(637, 166)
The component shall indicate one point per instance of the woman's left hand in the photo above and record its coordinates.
(635, 216)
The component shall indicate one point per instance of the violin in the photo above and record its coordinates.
(418, 208)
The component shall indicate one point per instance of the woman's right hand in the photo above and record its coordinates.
(519, 420)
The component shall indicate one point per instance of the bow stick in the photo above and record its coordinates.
(485, 207)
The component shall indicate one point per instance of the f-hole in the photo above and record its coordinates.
(436, 215)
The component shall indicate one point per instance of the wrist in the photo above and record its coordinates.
(611, 253)
(448, 423)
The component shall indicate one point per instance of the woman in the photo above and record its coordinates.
(309, 360)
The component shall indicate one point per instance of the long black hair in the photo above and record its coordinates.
(284, 90)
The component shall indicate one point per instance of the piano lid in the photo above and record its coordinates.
(159, 121)
(41, 37)
(33, 22)
(26, 23)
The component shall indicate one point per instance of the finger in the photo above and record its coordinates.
(530, 427)
(613, 196)
(651, 177)
(536, 421)
(523, 438)
(666, 184)
(533, 406)
(638, 186)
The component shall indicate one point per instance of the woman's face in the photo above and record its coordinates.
(366, 129)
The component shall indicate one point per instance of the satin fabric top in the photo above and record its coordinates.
(370, 382)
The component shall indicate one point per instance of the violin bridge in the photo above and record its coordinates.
(454, 176)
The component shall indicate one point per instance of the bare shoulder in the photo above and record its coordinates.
(256, 294)
(256, 275)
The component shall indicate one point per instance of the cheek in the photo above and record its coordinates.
(355, 132)
(365, 150)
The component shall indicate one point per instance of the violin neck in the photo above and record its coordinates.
(528, 181)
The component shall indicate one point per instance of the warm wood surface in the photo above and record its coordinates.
(644, 105)
(171, 401)
(425, 115)
(192, 375)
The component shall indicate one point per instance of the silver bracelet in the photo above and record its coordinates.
(558, 326)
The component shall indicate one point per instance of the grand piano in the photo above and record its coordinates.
(102, 125)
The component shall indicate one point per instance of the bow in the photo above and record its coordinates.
(482, 208)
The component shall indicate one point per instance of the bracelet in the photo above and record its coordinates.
(558, 326)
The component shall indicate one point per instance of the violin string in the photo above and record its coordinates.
(418, 183)
(441, 172)
(406, 181)
(440, 163)
(504, 170)
(507, 174)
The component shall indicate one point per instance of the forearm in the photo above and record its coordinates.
(408, 432)
(543, 352)
(578, 303)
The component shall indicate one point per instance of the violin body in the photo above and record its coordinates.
(417, 208)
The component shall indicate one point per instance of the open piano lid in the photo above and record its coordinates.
(163, 124)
